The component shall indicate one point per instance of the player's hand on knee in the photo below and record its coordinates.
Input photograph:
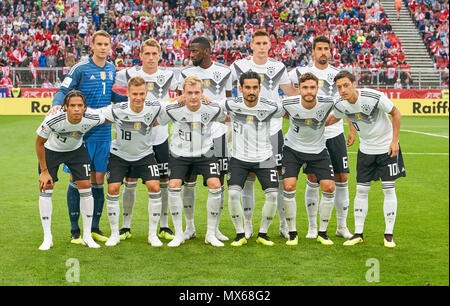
(45, 181)
(53, 110)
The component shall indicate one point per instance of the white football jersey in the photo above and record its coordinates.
(63, 136)
(133, 130)
(158, 86)
(307, 126)
(192, 135)
(327, 87)
(216, 81)
(273, 74)
(251, 128)
(369, 117)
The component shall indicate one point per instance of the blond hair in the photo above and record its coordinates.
(101, 33)
(151, 42)
(192, 80)
(136, 81)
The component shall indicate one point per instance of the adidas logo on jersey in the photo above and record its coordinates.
(92, 77)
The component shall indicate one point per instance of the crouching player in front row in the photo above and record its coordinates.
(132, 156)
(60, 140)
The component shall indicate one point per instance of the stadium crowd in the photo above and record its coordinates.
(40, 34)
(431, 18)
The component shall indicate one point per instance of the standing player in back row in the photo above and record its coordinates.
(158, 83)
(216, 84)
(274, 76)
(379, 155)
(94, 78)
(335, 142)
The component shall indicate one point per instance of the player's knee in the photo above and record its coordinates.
(340, 177)
(175, 184)
(289, 185)
(312, 178)
(153, 186)
(113, 189)
(84, 184)
(214, 183)
(131, 180)
(327, 186)
(98, 177)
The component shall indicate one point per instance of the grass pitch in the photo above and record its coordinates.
(421, 230)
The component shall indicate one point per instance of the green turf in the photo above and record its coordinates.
(421, 230)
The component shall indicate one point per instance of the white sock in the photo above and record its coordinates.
(222, 202)
(269, 210)
(188, 204)
(361, 206)
(312, 202)
(280, 206)
(389, 206)
(248, 198)
(235, 208)
(212, 209)
(176, 209)
(87, 210)
(154, 212)
(164, 219)
(113, 210)
(128, 199)
(290, 209)
(325, 210)
(341, 202)
(45, 212)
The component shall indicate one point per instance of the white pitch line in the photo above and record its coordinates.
(429, 134)
(411, 153)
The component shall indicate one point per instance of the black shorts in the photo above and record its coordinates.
(277, 141)
(118, 168)
(238, 171)
(220, 148)
(381, 166)
(337, 148)
(162, 158)
(318, 164)
(182, 167)
(77, 161)
(221, 152)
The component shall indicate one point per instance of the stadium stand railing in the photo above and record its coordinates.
(380, 78)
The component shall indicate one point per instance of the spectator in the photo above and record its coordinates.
(398, 84)
(407, 85)
(229, 24)
(47, 84)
